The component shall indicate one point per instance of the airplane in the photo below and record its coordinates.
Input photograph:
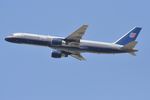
(73, 44)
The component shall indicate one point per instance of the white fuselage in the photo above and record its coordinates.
(84, 46)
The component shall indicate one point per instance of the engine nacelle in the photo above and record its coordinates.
(57, 42)
(58, 54)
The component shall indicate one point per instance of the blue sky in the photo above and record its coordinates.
(29, 73)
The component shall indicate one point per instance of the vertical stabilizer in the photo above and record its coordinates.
(129, 37)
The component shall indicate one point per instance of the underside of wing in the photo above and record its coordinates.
(77, 35)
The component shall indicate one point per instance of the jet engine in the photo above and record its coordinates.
(57, 42)
(58, 54)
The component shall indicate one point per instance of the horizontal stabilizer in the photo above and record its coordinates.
(133, 53)
(130, 45)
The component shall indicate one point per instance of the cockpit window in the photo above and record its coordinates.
(16, 34)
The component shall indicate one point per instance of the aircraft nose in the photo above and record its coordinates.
(9, 39)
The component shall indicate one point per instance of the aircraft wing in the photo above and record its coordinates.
(78, 56)
(77, 35)
(75, 54)
(73, 40)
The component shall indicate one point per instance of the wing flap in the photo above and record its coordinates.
(74, 54)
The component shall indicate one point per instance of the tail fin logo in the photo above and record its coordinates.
(133, 35)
